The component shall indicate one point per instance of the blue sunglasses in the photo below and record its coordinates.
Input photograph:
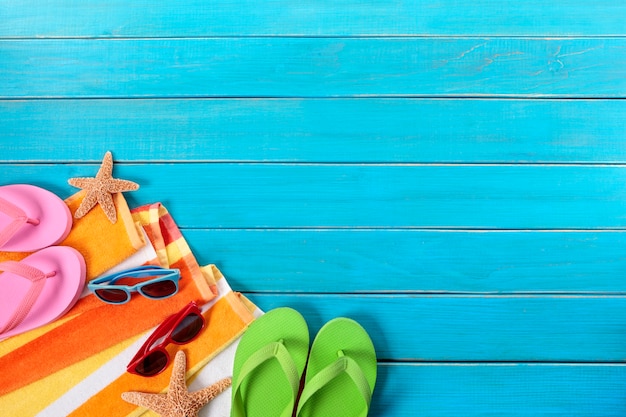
(164, 284)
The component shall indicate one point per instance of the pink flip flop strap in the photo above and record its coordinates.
(38, 279)
(19, 219)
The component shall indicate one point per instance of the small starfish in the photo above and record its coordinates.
(178, 402)
(100, 188)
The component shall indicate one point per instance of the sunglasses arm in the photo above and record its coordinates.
(158, 333)
(139, 272)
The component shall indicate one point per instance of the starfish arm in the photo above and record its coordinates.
(87, 204)
(155, 402)
(106, 169)
(81, 182)
(106, 202)
(178, 383)
(205, 395)
(115, 185)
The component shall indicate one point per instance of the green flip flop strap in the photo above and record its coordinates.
(274, 350)
(343, 364)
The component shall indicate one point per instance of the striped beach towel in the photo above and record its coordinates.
(76, 366)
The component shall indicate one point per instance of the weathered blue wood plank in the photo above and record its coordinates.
(117, 18)
(415, 261)
(416, 196)
(516, 390)
(312, 67)
(473, 328)
(315, 130)
(341, 212)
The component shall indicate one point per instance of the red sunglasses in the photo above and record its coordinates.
(180, 328)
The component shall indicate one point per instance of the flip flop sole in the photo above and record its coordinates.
(266, 391)
(340, 396)
(59, 293)
(55, 219)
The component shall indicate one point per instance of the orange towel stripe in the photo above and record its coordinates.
(92, 235)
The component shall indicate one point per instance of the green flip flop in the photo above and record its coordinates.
(341, 372)
(269, 362)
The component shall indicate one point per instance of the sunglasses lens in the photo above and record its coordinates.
(112, 295)
(188, 328)
(152, 364)
(159, 289)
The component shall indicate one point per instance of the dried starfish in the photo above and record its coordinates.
(100, 188)
(178, 402)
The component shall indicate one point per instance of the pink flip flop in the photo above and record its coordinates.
(31, 218)
(39, 289)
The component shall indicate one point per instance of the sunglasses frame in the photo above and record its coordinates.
(165, 331)
(108, 282)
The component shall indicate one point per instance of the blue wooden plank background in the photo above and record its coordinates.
(342, 130)
(442, 196)
(449, 173)
(187, 18)
(314, 67)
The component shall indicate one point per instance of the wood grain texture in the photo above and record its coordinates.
(473, 327)
(314, 67)
(519, 390)
(374, 196)
(116, 18)
(315, 130)
(450, 173)
(389, 261)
